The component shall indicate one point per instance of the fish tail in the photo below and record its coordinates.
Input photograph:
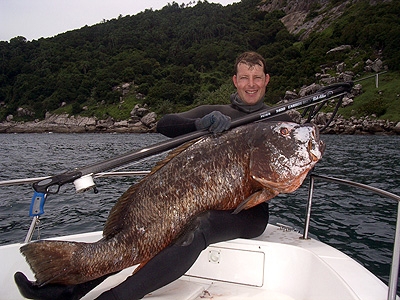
(55, 261)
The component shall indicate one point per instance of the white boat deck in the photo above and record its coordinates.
(277, 265)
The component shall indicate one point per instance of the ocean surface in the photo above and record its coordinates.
(356, 222)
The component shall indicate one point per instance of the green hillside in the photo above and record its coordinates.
(382, 101)
(181, 56)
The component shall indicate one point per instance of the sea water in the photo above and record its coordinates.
(356, 222)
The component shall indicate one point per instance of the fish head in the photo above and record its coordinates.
(283, 154)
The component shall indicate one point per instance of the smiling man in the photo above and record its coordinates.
(250, 79)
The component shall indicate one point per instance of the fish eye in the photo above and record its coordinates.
(284, 131)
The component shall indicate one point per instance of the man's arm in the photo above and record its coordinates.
(174, 125)
(215, 118)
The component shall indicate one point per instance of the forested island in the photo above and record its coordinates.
(182, 55)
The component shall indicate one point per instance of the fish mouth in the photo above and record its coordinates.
(322, 147)
(316, 147)
(316, 152)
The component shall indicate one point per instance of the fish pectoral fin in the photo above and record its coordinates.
(141, 265)
(255, 199)
(247, 203)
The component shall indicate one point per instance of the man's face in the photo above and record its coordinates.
(250, 82)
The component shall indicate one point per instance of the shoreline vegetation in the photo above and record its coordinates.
(143, 120)
(76, 124)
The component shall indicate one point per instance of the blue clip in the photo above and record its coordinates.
(37, 204)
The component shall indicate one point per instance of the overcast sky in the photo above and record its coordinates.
(34, 19)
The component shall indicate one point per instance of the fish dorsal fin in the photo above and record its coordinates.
(172, 154)
(255, 199)
(113, 223)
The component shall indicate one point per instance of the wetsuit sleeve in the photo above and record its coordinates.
(174, 125)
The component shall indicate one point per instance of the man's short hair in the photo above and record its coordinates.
(251, 59)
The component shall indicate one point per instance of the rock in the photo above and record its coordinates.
(328, 80)
(346, 76)
(375, 66)
(397, 128)
(120, 124)
(126, 86)
(339, 49)
(294, 115)
(321, 119)
(374, 128)
(297, 13)
(289, 95)
(340, 67)
(142, 121)
(349, 130)
(149, 120)
(357, 89)
(137, 124)
(103, 125)
(347, 101)
(141, 112)
(23, 112)
(134, 110)
(367, 125)
(308, 90)
(293, 20)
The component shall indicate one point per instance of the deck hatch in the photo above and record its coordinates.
(222, 264)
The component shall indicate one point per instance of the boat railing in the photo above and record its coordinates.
(39, 200)
(394, 270)
(393, 279)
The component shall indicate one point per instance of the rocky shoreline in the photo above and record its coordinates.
(354, 126)
(141, 121)
(147, 123)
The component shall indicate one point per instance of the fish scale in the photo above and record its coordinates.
(234, 170)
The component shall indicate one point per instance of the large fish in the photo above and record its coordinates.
(234, 170)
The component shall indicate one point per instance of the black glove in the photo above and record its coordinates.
(215, 122)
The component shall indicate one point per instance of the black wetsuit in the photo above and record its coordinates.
(210, 227)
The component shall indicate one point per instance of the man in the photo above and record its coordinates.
(251, 80)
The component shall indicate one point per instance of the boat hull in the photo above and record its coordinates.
(276, 265)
